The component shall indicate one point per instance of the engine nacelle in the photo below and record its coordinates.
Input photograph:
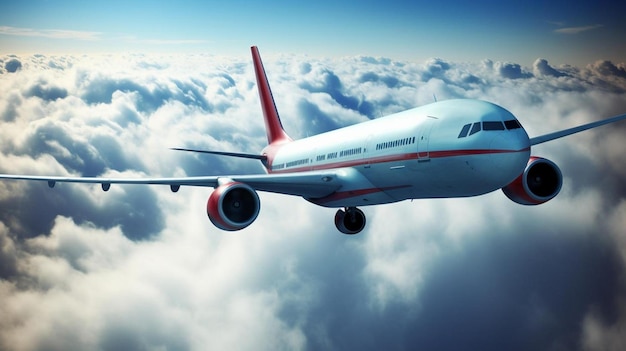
(541, 181)
(233, 206)
(351, 221)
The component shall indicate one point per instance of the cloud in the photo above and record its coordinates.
(143, 268)
(541, 67)
(577, 30)
(608, 69)
(511, 70)
(168, 41)
(50, 33)
(331, 85)
(47, 93)
(435, 68)
(12, 65)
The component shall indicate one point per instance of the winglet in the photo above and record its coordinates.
(273, 126)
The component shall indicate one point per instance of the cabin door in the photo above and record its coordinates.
(423, 139)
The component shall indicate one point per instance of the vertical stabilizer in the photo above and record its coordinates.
(273, 126)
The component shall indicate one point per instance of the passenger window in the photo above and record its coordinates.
(464, 131)
(475, 128)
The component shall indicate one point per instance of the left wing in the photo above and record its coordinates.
(314, 184)
(566, 132)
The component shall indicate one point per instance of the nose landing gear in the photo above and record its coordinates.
(350, 221)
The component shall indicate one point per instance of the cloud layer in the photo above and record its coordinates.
(142, 268)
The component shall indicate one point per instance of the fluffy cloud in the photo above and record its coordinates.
(541, 67)
(142, 268)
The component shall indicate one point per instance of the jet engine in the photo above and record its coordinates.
(541, 181)
(233, 206)
(351, 221)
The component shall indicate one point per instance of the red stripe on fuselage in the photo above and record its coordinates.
(395, 158)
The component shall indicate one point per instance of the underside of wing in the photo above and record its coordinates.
(306, 184)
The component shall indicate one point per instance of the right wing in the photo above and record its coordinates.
(314, 184)
(566, 132)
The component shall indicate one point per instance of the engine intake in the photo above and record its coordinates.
(541, 181)
(233, 206)
(351, 221)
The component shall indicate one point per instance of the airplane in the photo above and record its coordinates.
(446, 149)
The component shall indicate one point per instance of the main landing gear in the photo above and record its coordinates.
(350, 221)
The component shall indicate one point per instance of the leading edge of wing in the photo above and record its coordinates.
(196, 181)
(312, 184)
(566, 132)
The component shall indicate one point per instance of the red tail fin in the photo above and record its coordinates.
(273, 126)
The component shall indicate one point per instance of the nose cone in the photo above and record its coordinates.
(509, 156)
(510, 151)
(514, 137)
(510, 148)
(510, 140)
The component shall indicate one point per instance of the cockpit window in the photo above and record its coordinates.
(471, 129)
(464, 131)
(496, 125)
(512, 124)
(475, 128)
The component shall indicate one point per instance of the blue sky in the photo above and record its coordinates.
(564, 32)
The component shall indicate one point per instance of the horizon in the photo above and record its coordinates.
(560, 32)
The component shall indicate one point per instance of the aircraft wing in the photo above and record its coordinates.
(312, 184)
(566, 132)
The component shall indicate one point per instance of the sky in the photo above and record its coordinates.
(105, 89)
(563, 32)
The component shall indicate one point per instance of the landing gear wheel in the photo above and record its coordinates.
(351, 221)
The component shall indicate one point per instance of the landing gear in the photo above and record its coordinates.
(351, 221)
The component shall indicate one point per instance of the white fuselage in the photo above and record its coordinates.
(418, 153)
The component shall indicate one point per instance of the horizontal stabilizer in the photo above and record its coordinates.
(262, 158)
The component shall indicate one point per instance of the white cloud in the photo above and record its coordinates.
(576, 30)
(166, 41)
(50, 33)
(600, 335)
(141, 267)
